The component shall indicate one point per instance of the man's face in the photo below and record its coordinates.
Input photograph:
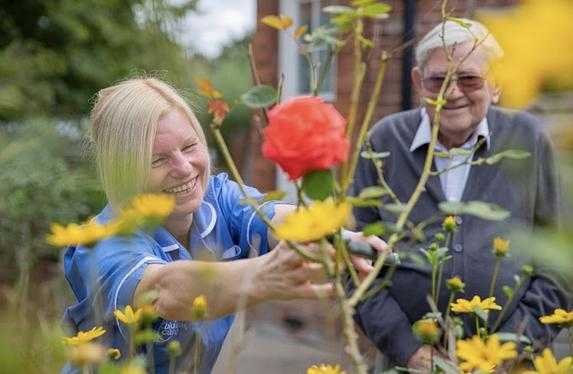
(468, 96)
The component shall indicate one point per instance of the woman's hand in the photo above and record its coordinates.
(284, 274)
(421, 361)
(363, 265)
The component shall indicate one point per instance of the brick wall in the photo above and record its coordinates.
(388, 35)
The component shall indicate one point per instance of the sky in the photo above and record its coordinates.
(217, 23)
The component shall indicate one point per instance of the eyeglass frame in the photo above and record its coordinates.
(458, 80)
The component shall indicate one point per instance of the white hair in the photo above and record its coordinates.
(450, 33)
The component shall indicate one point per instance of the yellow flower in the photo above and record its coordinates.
(525, 70)
(143, 211)
(279, 22)
(427, 330)
(86, 354)
(455, 284)
(207, 89)
(476, 303)
(113, 354)
(547, 364)
(199, 308)
(128, 316)
(500, 246)
(325, 369)
(485, 356)
(174, 349)
(449, 224)
(84, 336)
(86, 234)
(315, 222)
(559, 316)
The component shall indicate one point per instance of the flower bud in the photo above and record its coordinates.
(455, 284)
(500, 247)
(449, 224)
(199, 308)
(427, 330)
(174, 349)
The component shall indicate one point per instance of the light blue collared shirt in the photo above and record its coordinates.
(104, 278)
(454, 180)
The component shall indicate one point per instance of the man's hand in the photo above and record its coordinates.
(422, 359)
(363, 265)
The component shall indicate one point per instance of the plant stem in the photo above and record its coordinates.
(477, 326)
(349, 169)
(495, 274)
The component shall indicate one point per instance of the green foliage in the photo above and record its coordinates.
(260, 97)
(318, 185)
(42, 180)
(55, 54)
(476, 208)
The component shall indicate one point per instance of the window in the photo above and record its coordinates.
(295, 66)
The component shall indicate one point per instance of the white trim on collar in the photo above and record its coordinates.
(170, 248)
(211, 224)
(424, 132)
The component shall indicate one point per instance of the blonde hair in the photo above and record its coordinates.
(449, 33)
(124, 124)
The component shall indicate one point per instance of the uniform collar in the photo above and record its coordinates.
(424, 133)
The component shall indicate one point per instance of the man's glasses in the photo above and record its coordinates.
(466, 83)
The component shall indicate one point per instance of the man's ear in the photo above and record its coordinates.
(416, 75)
(495, 94)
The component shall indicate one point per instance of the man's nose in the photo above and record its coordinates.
(453, 91)
(180, 165)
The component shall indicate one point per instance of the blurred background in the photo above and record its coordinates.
(56, 54)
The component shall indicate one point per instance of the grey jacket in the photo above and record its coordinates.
(527, 188)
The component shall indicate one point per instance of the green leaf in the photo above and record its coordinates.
(476, 208)
(364, 203)
(507, 291)
(260, 96)
(343, 21)
(460, 152)
(374, 155)
(376, 228)
(482, 314)
(360, 3)
(446, 366)
(372, 192)
(514, 154)
(337, 9)
(395, 207)
(378, 10)
(273, 195)
(511, 337)
(318, 185)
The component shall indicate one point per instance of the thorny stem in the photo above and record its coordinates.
(359, 72)
(222, 145)
(348, 174)
(256, 78)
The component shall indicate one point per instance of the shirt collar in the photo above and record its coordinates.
(424, 133)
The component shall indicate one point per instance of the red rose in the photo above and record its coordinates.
(305, 134)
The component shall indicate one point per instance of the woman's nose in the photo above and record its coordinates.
(180, 165)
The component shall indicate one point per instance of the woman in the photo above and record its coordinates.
(147, 139)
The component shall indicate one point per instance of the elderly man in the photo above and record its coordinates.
(527, 188)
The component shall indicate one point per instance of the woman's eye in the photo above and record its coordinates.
(158, 162)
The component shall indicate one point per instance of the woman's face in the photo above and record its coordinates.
(179, 163)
